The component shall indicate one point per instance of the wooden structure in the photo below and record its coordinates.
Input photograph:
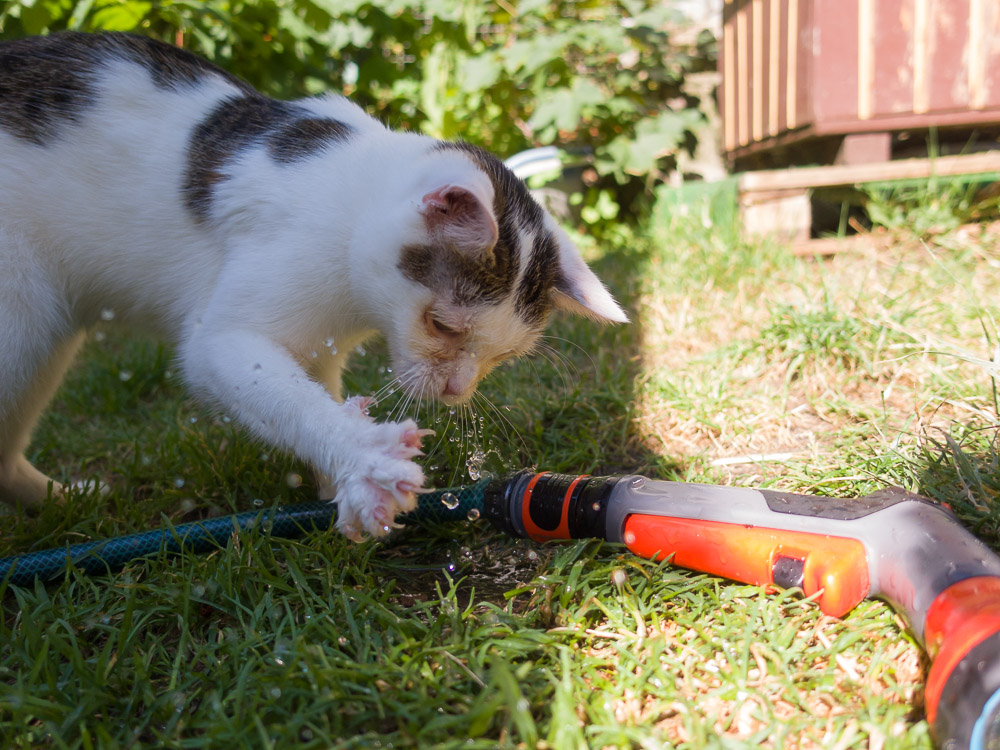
(855, 82)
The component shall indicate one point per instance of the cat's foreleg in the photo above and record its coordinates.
(259, 384)
(37, 344)
(328, 371)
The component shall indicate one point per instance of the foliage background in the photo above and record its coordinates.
(603, 80)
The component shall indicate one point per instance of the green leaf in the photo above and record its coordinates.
(121, 16)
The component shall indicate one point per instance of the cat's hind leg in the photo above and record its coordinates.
(37, 344)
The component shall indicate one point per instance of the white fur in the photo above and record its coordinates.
(294, 254)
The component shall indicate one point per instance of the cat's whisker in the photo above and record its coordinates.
(560, 363)
(504, 424)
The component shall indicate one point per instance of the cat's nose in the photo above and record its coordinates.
(453, 388)
(461, 382)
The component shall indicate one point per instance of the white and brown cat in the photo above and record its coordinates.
(138, 178)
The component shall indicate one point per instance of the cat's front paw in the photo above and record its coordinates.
(383, 480)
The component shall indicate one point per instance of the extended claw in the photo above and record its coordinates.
(410, 487)
(413, 436)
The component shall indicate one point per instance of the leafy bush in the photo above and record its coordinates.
(603, 80)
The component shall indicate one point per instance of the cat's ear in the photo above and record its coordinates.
(459, 217)
(578, 290)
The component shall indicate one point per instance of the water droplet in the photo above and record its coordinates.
(596, 506)
(258, 502)
(473, 514)
(342, 640)
(618, 577)
(328, 342)
(179, 482)
(276, 691)
(198, 590)
(187, 505)
(385, 529)
(629, 537)
(388, 369)
(306, 734)
(451, 567)
(168, 374)
(314, 354)
(264, 457)
(532, 555)
(107, 314)
(451, 412)
(449, 500)
(293, 480)
(99, 336)
(125, 375)
(360, 350)
(193, 420)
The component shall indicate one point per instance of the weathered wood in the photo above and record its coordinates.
(804, 178)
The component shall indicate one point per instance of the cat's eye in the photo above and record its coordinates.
(444, 330)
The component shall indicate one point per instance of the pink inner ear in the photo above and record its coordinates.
(457, 216)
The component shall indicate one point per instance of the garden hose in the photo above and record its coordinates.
(286, 521)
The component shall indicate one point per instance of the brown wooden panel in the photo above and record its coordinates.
(835, 50)
(947, 66)
(799, 100)
(830, 176)
(894, 25)
(771, 66)
(727, 67)
(991, 54)
(781, 47)
(759, 102)
(743, 74)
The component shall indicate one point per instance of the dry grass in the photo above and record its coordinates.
(792, 363)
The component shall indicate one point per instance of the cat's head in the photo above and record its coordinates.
(480, 269)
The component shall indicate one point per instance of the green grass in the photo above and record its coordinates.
(862, 369)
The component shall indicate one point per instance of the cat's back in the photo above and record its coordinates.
(52, 87)
(92, 121)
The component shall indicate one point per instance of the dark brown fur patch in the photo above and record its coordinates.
(40, 89)
(233, 125)
(514, 210)
(287, 130)
(299, 139)
(465, 279)
(48, 82)
(169, 66)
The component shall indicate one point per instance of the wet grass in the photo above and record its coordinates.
(859, 371)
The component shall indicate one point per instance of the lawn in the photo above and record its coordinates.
(745, 365)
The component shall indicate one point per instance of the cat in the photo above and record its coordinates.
(264, 240)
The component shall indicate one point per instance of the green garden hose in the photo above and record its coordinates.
(107, 555)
